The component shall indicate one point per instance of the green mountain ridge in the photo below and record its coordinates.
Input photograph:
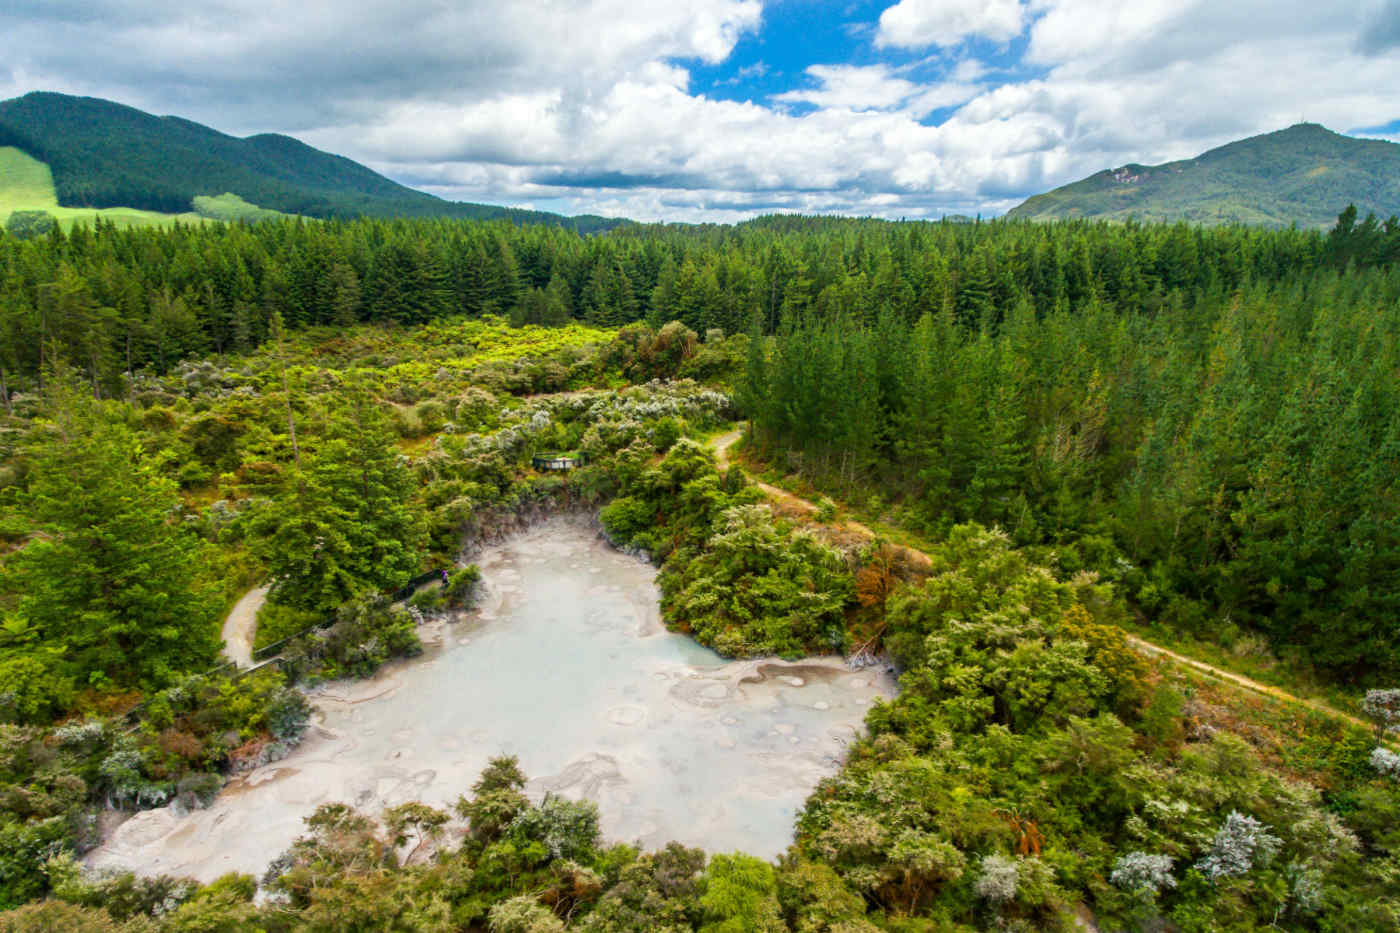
(1302, 175)
(104, 155)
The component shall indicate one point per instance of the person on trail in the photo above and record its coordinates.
(444, 578)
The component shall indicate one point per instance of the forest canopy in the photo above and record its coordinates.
(1083, 428)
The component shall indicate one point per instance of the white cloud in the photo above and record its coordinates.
(852, 87)
(918, 24)
(592, 102)
(235, 62)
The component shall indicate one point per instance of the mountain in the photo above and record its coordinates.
(104, 155)
(1305, 174)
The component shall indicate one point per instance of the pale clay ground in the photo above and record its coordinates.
(567, 666)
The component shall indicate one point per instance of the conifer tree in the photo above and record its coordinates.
(350, 528)
(111, 575)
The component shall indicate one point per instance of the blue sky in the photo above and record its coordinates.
(798, 34)
(717, 110)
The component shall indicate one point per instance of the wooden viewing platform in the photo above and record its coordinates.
(556, 461)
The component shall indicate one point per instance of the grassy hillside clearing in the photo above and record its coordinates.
(104, 154)
(26, 184)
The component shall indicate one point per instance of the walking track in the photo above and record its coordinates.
(241, 625)
(721, 446)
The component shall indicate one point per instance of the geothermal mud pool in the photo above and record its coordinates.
(567, 666)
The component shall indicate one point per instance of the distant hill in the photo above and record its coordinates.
(1305, 174)
(107, 155)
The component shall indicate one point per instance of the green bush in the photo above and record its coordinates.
(431, 415)
(463, 585)
(757, 586)
(29, 225)
(476, 410)
(367, 632)
(32, 691)
(406, 423)
(277, 621)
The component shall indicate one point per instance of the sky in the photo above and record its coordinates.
(719, 110)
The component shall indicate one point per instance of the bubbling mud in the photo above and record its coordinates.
(566, 665)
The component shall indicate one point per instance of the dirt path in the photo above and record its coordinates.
(240, 626)
(721, 446)
(1239, 680)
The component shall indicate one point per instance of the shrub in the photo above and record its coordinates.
(462, 586)
(431, 415)
(81, 737)
(29, 225)
(1239, 844)
(124, 895)
(57, 917)
(367, 632)
(996, 881)
(288, 714)
(277, 621)
(815, 895)
(24, 850)
(1386, 762)
(568, 829)
(741, 896)
(406, 423)
(1143, 872)
(523, 914)
(32, 691)
(123, 775)
(1382, 707)
(198, 789)
(496, 799)
(759, 587)
(476, 410)
(427, 598)
(664, 434)
(627, 520)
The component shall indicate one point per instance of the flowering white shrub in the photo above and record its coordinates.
(523, 914)
(1383, 708)
(567, 828)
(122, 771)
(89, 732)
(1142, 871)
(1240, 843)
(997, 880)
(681, 399)
(1306, 888)
(1386, 762)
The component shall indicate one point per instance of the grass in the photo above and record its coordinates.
(416, 446)
(230, 208)
(26, 184)
(1305, 743)
(1250, 657)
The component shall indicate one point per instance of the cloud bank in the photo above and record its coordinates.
(937, 106)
